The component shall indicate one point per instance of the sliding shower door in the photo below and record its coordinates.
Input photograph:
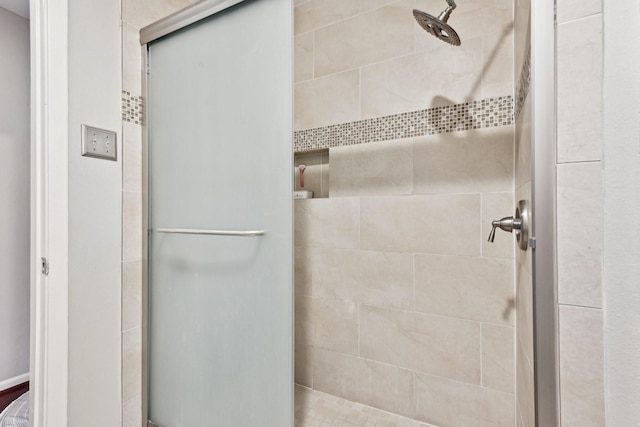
(220, 220)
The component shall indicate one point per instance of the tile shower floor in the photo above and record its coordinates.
(317, 409)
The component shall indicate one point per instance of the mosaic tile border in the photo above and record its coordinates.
(524, 84)
(132, 108)
(489, 112)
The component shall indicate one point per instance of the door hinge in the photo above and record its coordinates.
(45, 266)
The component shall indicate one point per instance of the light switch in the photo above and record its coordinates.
(99, 143)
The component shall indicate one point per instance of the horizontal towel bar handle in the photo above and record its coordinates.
(237, 233)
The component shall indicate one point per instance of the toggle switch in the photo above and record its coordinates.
(99, 143)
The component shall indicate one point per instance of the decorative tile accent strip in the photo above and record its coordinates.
(132, 108)
(524, 84)
(485, 113)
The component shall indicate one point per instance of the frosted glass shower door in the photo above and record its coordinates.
(220, 220)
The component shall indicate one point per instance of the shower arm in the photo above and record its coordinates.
(444, 16)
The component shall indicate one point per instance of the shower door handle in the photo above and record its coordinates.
(236, 233)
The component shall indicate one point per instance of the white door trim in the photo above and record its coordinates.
(49, 212)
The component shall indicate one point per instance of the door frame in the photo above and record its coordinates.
(49, 213)
(545, 300)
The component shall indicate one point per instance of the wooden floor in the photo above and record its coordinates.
(9, 395)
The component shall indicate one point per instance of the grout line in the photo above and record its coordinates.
(577, 162)
(580, 18)
(359, 13)
(413, 260)
(587, 307)
(481, 359)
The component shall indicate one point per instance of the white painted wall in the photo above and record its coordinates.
(14, 196)
(95, 212)
(622, 211)
(19, 7)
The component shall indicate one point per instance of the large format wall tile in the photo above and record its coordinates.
(433, 344)
(341, 375)
(366, 5)
(440, 224)
(580, 90)
(497, 59)
(131, 294)
(498, 358)
(131, 225)
(581, 367)
(407, 82)
(303, 54)
(522, 146)
(464, 162)
(569, 10)
(332, 223)
(478, 289)
(371, 37)
(525, 389)
(328, 100)
(328, 324)
(131, 157)
(303, 355)
(335, 325)
(303, 271)
(391, 389)
(580, 234)
(318, 13)
(131, 363)
(374, 169)
(448, 403)
(383, 279)
(524, 310)
(131, 59)
(132, 412)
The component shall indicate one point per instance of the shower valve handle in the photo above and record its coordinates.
(508, 223)
(520, 223)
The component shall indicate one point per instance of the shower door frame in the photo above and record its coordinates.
(545, 300)
(165, 26)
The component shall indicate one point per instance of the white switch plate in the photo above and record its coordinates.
(99, 143)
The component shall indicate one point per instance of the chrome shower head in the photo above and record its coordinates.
(438, 26)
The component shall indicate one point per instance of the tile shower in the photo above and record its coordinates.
(363, 273)
(401, 304)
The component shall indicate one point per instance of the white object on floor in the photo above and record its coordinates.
(17, 413)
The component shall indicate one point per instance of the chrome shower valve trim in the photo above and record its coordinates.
(519, 223)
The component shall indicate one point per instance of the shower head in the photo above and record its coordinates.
(438, 26)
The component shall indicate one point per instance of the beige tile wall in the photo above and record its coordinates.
(341, 76)
(579, 215)
(135, 15)
(359, 59)
(525, 402)
(400, 304)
